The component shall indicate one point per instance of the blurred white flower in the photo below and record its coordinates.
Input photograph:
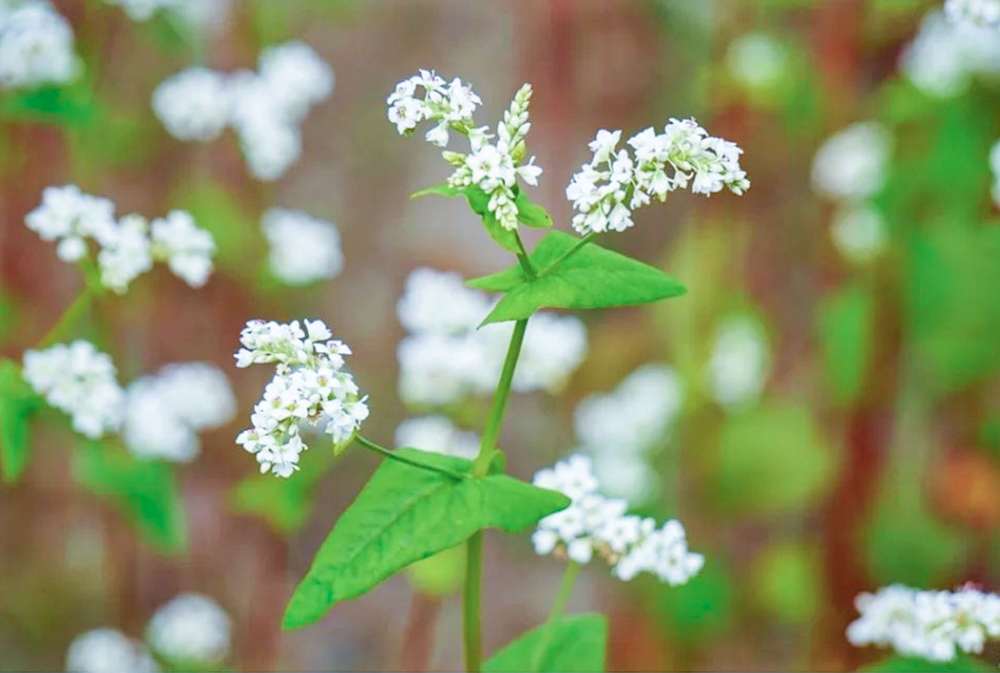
(852, 163)
(201, 14)
(36, 46)
(944, 58)
(757, 61)
(859, 232)
(445, 358)
(127, 247)
(977, 13)
(192, 629)
(739, 364)
(933, 625)
(595, 525)
(187, 248)
(70, 217)
(194, 105)
(304, 249)
(437, 434)
(264, 108)
(437, 302)
(107, 651)
(621, 430)
(165, 412)
(126, 253)
(80, 380)
(296, 77)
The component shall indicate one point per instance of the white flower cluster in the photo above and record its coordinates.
(437, 434)
(621, 430)
(129, 246)
(164, 413)
(80, 380)
(445, 358)
(606, 191)
(36, 45)
(108, 651)
(196, 13)
(310, 385)
(265, 108)
(191, 628)
(978, 13)
(849, 168)
(738, 367)
(304, 249)
(944, 58)
(492, 167)
(934, 625)
(593, 524)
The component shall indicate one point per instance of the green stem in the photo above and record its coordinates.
(524, 258)
(472, 627)
(555, 613)
(569, 253)
(495, 418)
(472, 599)
(69, 318)
(392, 455)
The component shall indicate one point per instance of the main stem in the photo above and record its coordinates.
(555, 613)
(472, 619)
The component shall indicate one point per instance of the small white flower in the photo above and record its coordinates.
(976, 13)
(71, 217)
(606, 190)
(80, 380)
(107, 651)
(191, 628)
(309, 386)
(945, 57)
(36, 46)
(296, 77)
(187, 248)
(739, 363)
(165, 412)
(852, 163)
(595, 525)
(194, 105)
(859, 233)
(304, 249)
(126, 253)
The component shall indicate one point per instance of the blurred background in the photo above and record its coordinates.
(831, 420)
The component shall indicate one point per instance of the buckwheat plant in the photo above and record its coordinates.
(422, 501)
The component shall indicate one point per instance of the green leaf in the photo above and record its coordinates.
(916, 665)
(576, 643)
(17, 402)
(443, 189)
(405, 514)
(145, 491)
(478, 201)
(531, 213)
(439, 575)
(846, 330)
(593, 277)
(65, 106)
